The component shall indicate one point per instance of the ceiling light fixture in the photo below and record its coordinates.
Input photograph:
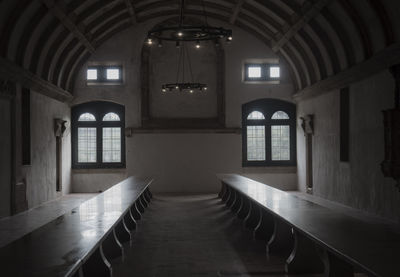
(181, 84)
(181, 33)
(187, 32)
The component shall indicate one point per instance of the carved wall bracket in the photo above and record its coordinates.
(60, 126)
(307, 124)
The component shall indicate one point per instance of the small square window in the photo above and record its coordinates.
(92, 74)
(254, 72)
(113, 74)
(274, 72)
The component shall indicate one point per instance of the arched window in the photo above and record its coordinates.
(111, 117)
(269, 135)
(255, 115)
(86, 117)
(98, 143)
(280, 115)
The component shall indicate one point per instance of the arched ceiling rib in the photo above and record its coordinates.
(53, 39)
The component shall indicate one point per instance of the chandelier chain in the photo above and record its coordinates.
(204, 12)
(181, 18)
(189, 63)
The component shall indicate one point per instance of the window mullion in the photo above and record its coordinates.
(99, 130)
(268, 145)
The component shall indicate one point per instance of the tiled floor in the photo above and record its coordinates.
(14, 227)
(184, 236)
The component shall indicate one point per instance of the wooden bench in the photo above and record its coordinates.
(82, 242)
(314, 239)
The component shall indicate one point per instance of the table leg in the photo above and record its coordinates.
(252, 218)
(238, 201)
(333, 266)
(97, 265)
(244, 208)
(265, 226)
(304, 257)
(112, 247)
(135, 211)
(281, 241)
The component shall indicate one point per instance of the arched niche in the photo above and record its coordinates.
(177, 110)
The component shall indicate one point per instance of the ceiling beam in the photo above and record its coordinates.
(10, 71)
(312, 11)
(236, 11)
(377, 63)
(78, 31)
(131, 11)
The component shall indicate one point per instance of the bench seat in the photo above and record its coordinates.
(338, 238)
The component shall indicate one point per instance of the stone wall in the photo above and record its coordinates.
(358, 183)
(180, 162)
(41, 174)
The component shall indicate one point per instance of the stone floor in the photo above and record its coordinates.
(184, 236)
(14, 227)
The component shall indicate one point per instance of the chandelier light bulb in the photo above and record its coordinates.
(198, 44)
(164, 90)
(180, 34)
(191, 91)
(149, 41)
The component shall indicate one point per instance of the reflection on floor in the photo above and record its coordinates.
(14, 227)
(184, 236)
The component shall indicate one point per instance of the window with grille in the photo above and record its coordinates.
(263, 72)
(98, 135)
(104, 75)
(269, 137)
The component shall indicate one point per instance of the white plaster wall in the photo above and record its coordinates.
(180, 162)
(41, 174)
(360, 182)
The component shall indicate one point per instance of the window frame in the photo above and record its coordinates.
(265, 72)
(99, 109)
(268, 107)
(102, 75)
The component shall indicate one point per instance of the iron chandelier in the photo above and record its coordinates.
(181, 33)
(186, 32)
(180, 84)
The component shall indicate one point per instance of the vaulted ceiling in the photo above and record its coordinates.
(48, 41)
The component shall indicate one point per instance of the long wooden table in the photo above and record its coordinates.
(82, 242)
(341, 243)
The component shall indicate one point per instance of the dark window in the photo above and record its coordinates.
(98, 135)
(101, 74)
(26, 126)
(269, 133)
(344, 124)
(264, 72)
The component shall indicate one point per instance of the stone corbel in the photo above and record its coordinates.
(60, 126)
(307, 123)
